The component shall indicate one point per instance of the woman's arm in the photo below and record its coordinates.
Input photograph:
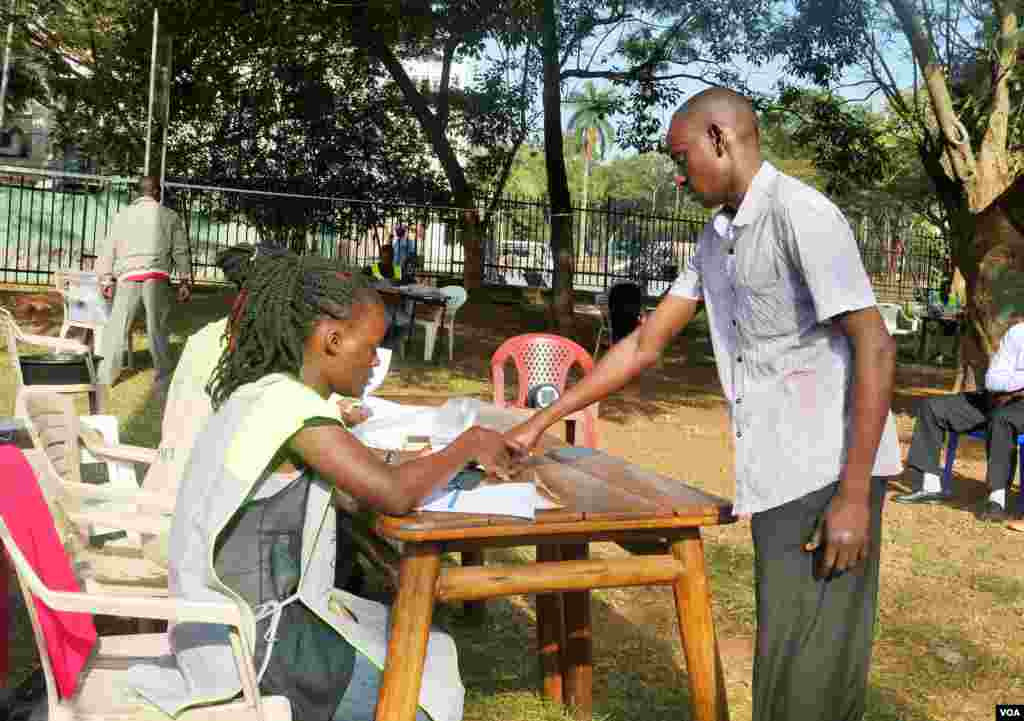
(352, 467)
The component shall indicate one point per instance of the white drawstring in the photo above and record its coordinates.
(273, 609)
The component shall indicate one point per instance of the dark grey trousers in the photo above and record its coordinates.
(814, 636)
(962, 412)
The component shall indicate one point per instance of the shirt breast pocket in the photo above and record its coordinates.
(765, 306)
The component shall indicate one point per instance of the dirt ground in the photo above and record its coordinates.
(952, 602)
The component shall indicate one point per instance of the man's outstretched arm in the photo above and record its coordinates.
(624, 361)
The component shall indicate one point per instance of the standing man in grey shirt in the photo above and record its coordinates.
(145, 243)
(807, 366)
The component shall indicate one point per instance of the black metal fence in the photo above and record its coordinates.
(50, 221)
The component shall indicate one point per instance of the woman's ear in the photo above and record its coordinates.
(332, 336)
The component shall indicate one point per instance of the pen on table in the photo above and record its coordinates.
(455, 497)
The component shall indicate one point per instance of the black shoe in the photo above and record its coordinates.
(992, 512)
(924, 497)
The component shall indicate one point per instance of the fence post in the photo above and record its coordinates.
(607, 244)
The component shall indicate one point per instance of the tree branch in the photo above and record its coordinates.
(443, 94)
(628, 75)
(992, 156)
(962, 160)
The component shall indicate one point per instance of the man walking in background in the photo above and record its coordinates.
(145, 243)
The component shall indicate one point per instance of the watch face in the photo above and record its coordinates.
(543, 395)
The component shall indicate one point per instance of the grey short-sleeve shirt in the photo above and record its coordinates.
(772, 278)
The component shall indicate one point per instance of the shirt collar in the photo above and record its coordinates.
(754, 200)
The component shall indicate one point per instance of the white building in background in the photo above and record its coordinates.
(425, 74)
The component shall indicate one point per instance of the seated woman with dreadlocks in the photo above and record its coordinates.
(254, 520)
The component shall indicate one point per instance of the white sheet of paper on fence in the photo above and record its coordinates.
(86, 303)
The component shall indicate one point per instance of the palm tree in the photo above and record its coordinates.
(593, 134)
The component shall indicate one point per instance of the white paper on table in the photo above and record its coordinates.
(504, 499)
(453, 419)
(391, 423)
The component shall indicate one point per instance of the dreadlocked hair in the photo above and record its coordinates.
(285, 295)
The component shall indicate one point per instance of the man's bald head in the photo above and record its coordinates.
(714, 140)
(150, 187)
(725, 108)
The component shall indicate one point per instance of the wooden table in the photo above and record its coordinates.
(395, 294)
(604, 499)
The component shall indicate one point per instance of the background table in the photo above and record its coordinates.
(604, 499)
(414, 294)
(940, 320)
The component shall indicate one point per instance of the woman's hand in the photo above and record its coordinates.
(498, 454)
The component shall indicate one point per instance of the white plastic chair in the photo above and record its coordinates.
(457, 297)
(102, 692)
(892, 314)
(97, 509)
(16, 335)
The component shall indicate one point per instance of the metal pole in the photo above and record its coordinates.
(167, 115)
(152, 90)
(7, 66)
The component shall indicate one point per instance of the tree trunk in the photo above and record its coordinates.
(463, 193)
(472, 239)
(989, 250)
(561, 303)
(586, 200)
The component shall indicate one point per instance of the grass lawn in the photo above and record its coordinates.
(951, 621)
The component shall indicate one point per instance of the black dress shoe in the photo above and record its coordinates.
(992, 512)
(923, 497)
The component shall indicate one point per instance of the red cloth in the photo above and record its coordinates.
(69, 637)
(147, 275)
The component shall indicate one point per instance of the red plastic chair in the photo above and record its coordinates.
(545, 358)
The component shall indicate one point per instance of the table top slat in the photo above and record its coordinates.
(645, 483)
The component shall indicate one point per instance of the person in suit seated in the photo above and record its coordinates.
(998, 408)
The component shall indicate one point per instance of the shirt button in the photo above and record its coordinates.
(738, 401)
(739, 434)
(739, 359)
(734, 321)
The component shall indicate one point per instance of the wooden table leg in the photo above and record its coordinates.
(550, 631)
(578, 656)
(474, 610)
(697, 629)
(410, 628)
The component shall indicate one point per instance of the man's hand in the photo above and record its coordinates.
(525, 435)
(184, 292)
(844, 528)
(107, 285)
